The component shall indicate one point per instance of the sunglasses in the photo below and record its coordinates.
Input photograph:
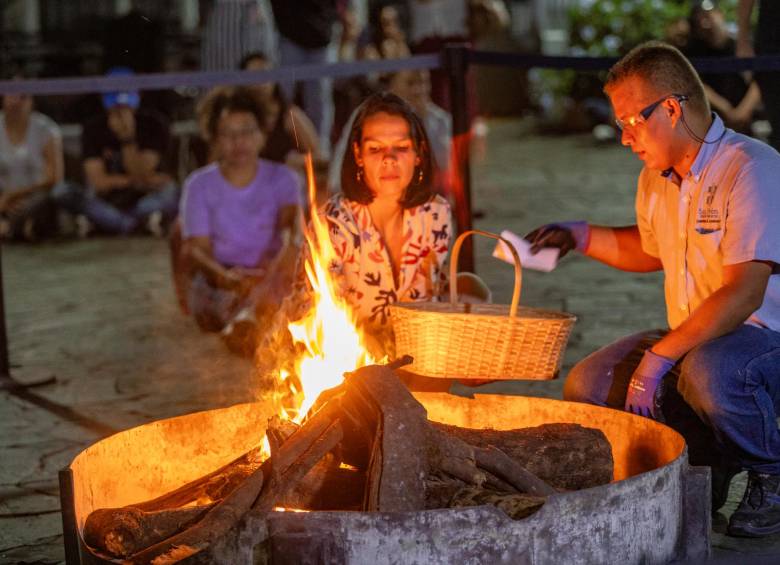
(645, 113)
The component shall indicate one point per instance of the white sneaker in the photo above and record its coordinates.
(154, 224)
(83, 226)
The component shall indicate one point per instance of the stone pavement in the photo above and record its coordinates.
(100, 317)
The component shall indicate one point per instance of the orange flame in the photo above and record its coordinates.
(333, 345)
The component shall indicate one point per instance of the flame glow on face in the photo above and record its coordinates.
(328, 332)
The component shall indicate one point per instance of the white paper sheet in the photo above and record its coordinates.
(546, 260)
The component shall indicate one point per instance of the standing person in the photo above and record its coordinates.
(239, 225)
(734, 98)
(124, 151)
(306, 30)
(235, 28)
(31, 169)
(707, 206)
(767, 42)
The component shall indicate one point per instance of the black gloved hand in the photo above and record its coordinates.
(563, 235)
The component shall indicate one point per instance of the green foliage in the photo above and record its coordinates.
(607, 28)
(613, 27)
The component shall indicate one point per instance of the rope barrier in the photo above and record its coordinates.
(158, 81)
(704, 65)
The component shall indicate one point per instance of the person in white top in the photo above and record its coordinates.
(31, 166)
(707, 207)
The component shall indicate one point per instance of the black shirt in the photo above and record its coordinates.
(97, 140)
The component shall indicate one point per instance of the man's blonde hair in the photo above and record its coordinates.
(665, 68)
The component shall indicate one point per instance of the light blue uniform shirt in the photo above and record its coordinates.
(725, 211)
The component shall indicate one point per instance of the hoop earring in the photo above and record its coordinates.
(420, 177)
(359, 175)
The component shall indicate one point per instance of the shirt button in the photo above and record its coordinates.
(685, 199)
(683, 307)
(682, 235)
(682, 271)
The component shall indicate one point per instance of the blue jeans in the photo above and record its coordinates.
(317, 94)
(111, 217)
(723, 396)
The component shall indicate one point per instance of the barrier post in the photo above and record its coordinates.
(456, 62)
(5, 365)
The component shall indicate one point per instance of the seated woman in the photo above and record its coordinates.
(390, 232)
(291, 134)
(31, 169)
(239, 224)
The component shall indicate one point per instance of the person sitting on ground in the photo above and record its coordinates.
(31, 169)
(239, 225)
(734, 98)
(414, 87)
(390, 231)
(707, 206)
(124, 152)
(291, 134)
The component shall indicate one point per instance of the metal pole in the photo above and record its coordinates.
(5, 365)
(456, 62)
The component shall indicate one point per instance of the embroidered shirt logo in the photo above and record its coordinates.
(708, 218)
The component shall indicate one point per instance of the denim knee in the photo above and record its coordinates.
(706, 378)
(583, 383)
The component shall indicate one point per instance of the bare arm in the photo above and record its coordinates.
(718, 102)
(200, 257)
(747, 106)
(54, 172)
(288, 224)
(744, 42)
(742, 293)
(300, 126)
(140, 164)
(98, 178)
(620, 248)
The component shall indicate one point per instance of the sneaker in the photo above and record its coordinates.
(83, 226)
(721, 481)
(154, 224)
(758, 514)
(28, 230)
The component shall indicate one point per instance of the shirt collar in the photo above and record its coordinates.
(706, 152)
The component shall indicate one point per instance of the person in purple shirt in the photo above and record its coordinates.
(239, 219)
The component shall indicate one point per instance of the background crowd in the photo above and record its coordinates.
(138, 150)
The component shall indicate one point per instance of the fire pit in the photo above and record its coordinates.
(656, 510)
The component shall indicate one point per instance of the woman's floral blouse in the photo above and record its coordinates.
(363, 266)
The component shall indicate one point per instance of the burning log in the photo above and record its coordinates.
(395, 470)
(125, 531)
(369, 446)
(208, 488)
(567, 456)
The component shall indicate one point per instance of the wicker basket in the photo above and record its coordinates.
(481, 341)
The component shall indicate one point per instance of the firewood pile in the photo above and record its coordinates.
(366, 446)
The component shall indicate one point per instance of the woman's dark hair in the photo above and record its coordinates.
(238, 99)
(417, 192)
(277, 92)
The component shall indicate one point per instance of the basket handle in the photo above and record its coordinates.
(454, 268)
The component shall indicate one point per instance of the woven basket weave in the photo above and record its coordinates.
(481, 341)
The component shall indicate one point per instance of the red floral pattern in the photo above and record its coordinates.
(363, 267)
